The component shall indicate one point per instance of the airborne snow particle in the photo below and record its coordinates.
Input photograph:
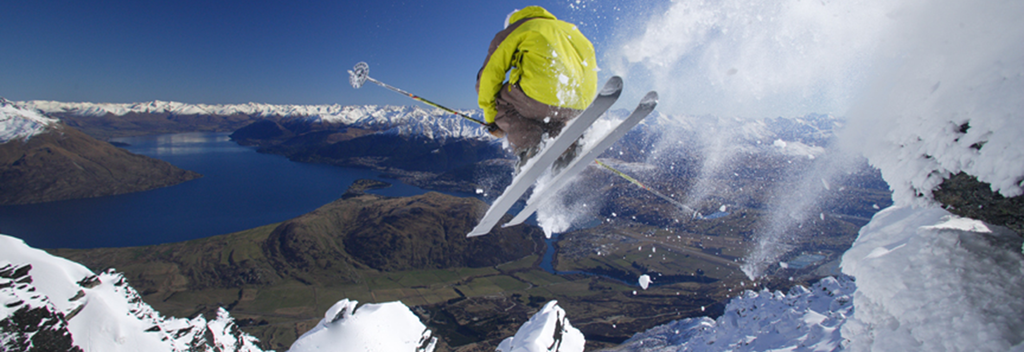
(644, 281)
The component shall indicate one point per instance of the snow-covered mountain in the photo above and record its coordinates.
(339, 112)
(813, 129)
(17, 122)
(405, 120)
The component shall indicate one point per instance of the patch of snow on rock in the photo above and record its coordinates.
(17, 122)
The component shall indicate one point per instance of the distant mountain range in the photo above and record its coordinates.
(104, 120)
(424, 147)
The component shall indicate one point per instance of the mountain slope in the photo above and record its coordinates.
(389, 234)
(64, 163)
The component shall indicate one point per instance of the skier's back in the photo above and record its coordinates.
(552, 73)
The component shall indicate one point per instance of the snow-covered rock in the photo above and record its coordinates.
(949, 101)
(548, 330)
(28, 321)
(100, 312)
(802, 320)
(383, 327)
(17, 122)
(931, 281)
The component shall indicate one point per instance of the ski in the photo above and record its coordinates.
(577, 166)
(536, 166)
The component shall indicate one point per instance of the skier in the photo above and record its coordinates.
(552, 77)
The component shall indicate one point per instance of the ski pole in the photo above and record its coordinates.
(641, 185)
(361, 73)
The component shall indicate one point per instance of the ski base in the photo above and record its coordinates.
(541, 195)
(540, 163)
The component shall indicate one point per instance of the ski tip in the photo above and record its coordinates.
(613, 85)
(650, 99)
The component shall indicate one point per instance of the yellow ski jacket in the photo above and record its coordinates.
(549, 59)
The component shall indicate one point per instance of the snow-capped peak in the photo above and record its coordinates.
(17, 122)
(379, 327)
(548, 330)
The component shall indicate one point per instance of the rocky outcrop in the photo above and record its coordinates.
(964, 195)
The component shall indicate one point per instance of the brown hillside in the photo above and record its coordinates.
(64, 163)
(390, 234)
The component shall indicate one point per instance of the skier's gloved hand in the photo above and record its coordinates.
(495, 131)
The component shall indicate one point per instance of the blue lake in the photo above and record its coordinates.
(240, 189)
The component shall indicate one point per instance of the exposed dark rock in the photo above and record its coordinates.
(964, 195)
(31, 328)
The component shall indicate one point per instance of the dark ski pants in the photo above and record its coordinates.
(525, 120)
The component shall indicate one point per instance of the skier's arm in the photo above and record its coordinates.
(492, 75)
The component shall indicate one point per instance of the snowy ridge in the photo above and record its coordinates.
(101, 312)
(802, 320)
(17, 122)
(37, 321)
(391, 119)
(177, 108)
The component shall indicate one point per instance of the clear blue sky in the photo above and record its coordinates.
(279, 52)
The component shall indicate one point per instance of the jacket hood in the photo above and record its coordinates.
(530, 12)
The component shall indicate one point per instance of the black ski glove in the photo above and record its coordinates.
(495, 131)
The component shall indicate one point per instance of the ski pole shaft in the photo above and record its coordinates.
(641, 185)
(422, 100)
(361, 73)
